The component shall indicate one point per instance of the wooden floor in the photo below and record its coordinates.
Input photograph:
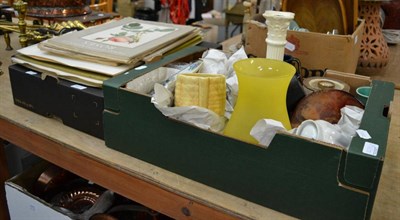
(389, 73)
(391, 168)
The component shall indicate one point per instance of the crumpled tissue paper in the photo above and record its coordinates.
(214, 62)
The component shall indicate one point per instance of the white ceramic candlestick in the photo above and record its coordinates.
(277, 24)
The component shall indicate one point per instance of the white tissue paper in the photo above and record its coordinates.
(238, 55)
(214, 62)
(265, 129)
(191, 68)
(350, 121)
(347, 125)
(145, 83)
(351, 117)
(198, 116)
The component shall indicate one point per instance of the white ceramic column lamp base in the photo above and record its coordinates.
(277, 24)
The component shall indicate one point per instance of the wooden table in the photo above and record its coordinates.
(166, 192)
(88, 157)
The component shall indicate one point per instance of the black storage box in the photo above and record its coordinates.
(78, 106)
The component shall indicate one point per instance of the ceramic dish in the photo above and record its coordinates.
(320, 83)
(324, 105)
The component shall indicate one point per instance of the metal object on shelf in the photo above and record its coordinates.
(78, 200)
(51, 180)
(34, 33)
(55, 8)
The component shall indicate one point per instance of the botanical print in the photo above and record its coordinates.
(130, 35)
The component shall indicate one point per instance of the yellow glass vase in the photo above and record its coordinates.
(263, 85)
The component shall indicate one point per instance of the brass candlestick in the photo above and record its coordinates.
(21, 6)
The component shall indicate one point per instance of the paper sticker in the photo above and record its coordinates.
(370, 148)
(80, 87)
(363, 134)
(141, 67)
(290, 46)
(30, 72)
(206, 15)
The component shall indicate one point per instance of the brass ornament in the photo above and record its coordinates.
(34, 33)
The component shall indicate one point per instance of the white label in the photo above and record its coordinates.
(355, 40)
(206, 15)
(290, 46)
(30, 72)
(141, 67)
(80, 87)
(363, 134)
(370, 148)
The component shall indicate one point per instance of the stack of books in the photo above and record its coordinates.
(95, 54)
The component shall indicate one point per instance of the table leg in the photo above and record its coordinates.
(4, 175)
(7, 40)
(226, 28)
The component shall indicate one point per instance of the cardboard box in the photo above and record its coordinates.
(80, 107)
(294, 175)
(316, 51)
(45, 191)
(22, 204)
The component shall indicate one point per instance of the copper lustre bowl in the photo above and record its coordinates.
(56, 8)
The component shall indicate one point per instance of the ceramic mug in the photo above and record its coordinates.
(363, 93)
(323, 131)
